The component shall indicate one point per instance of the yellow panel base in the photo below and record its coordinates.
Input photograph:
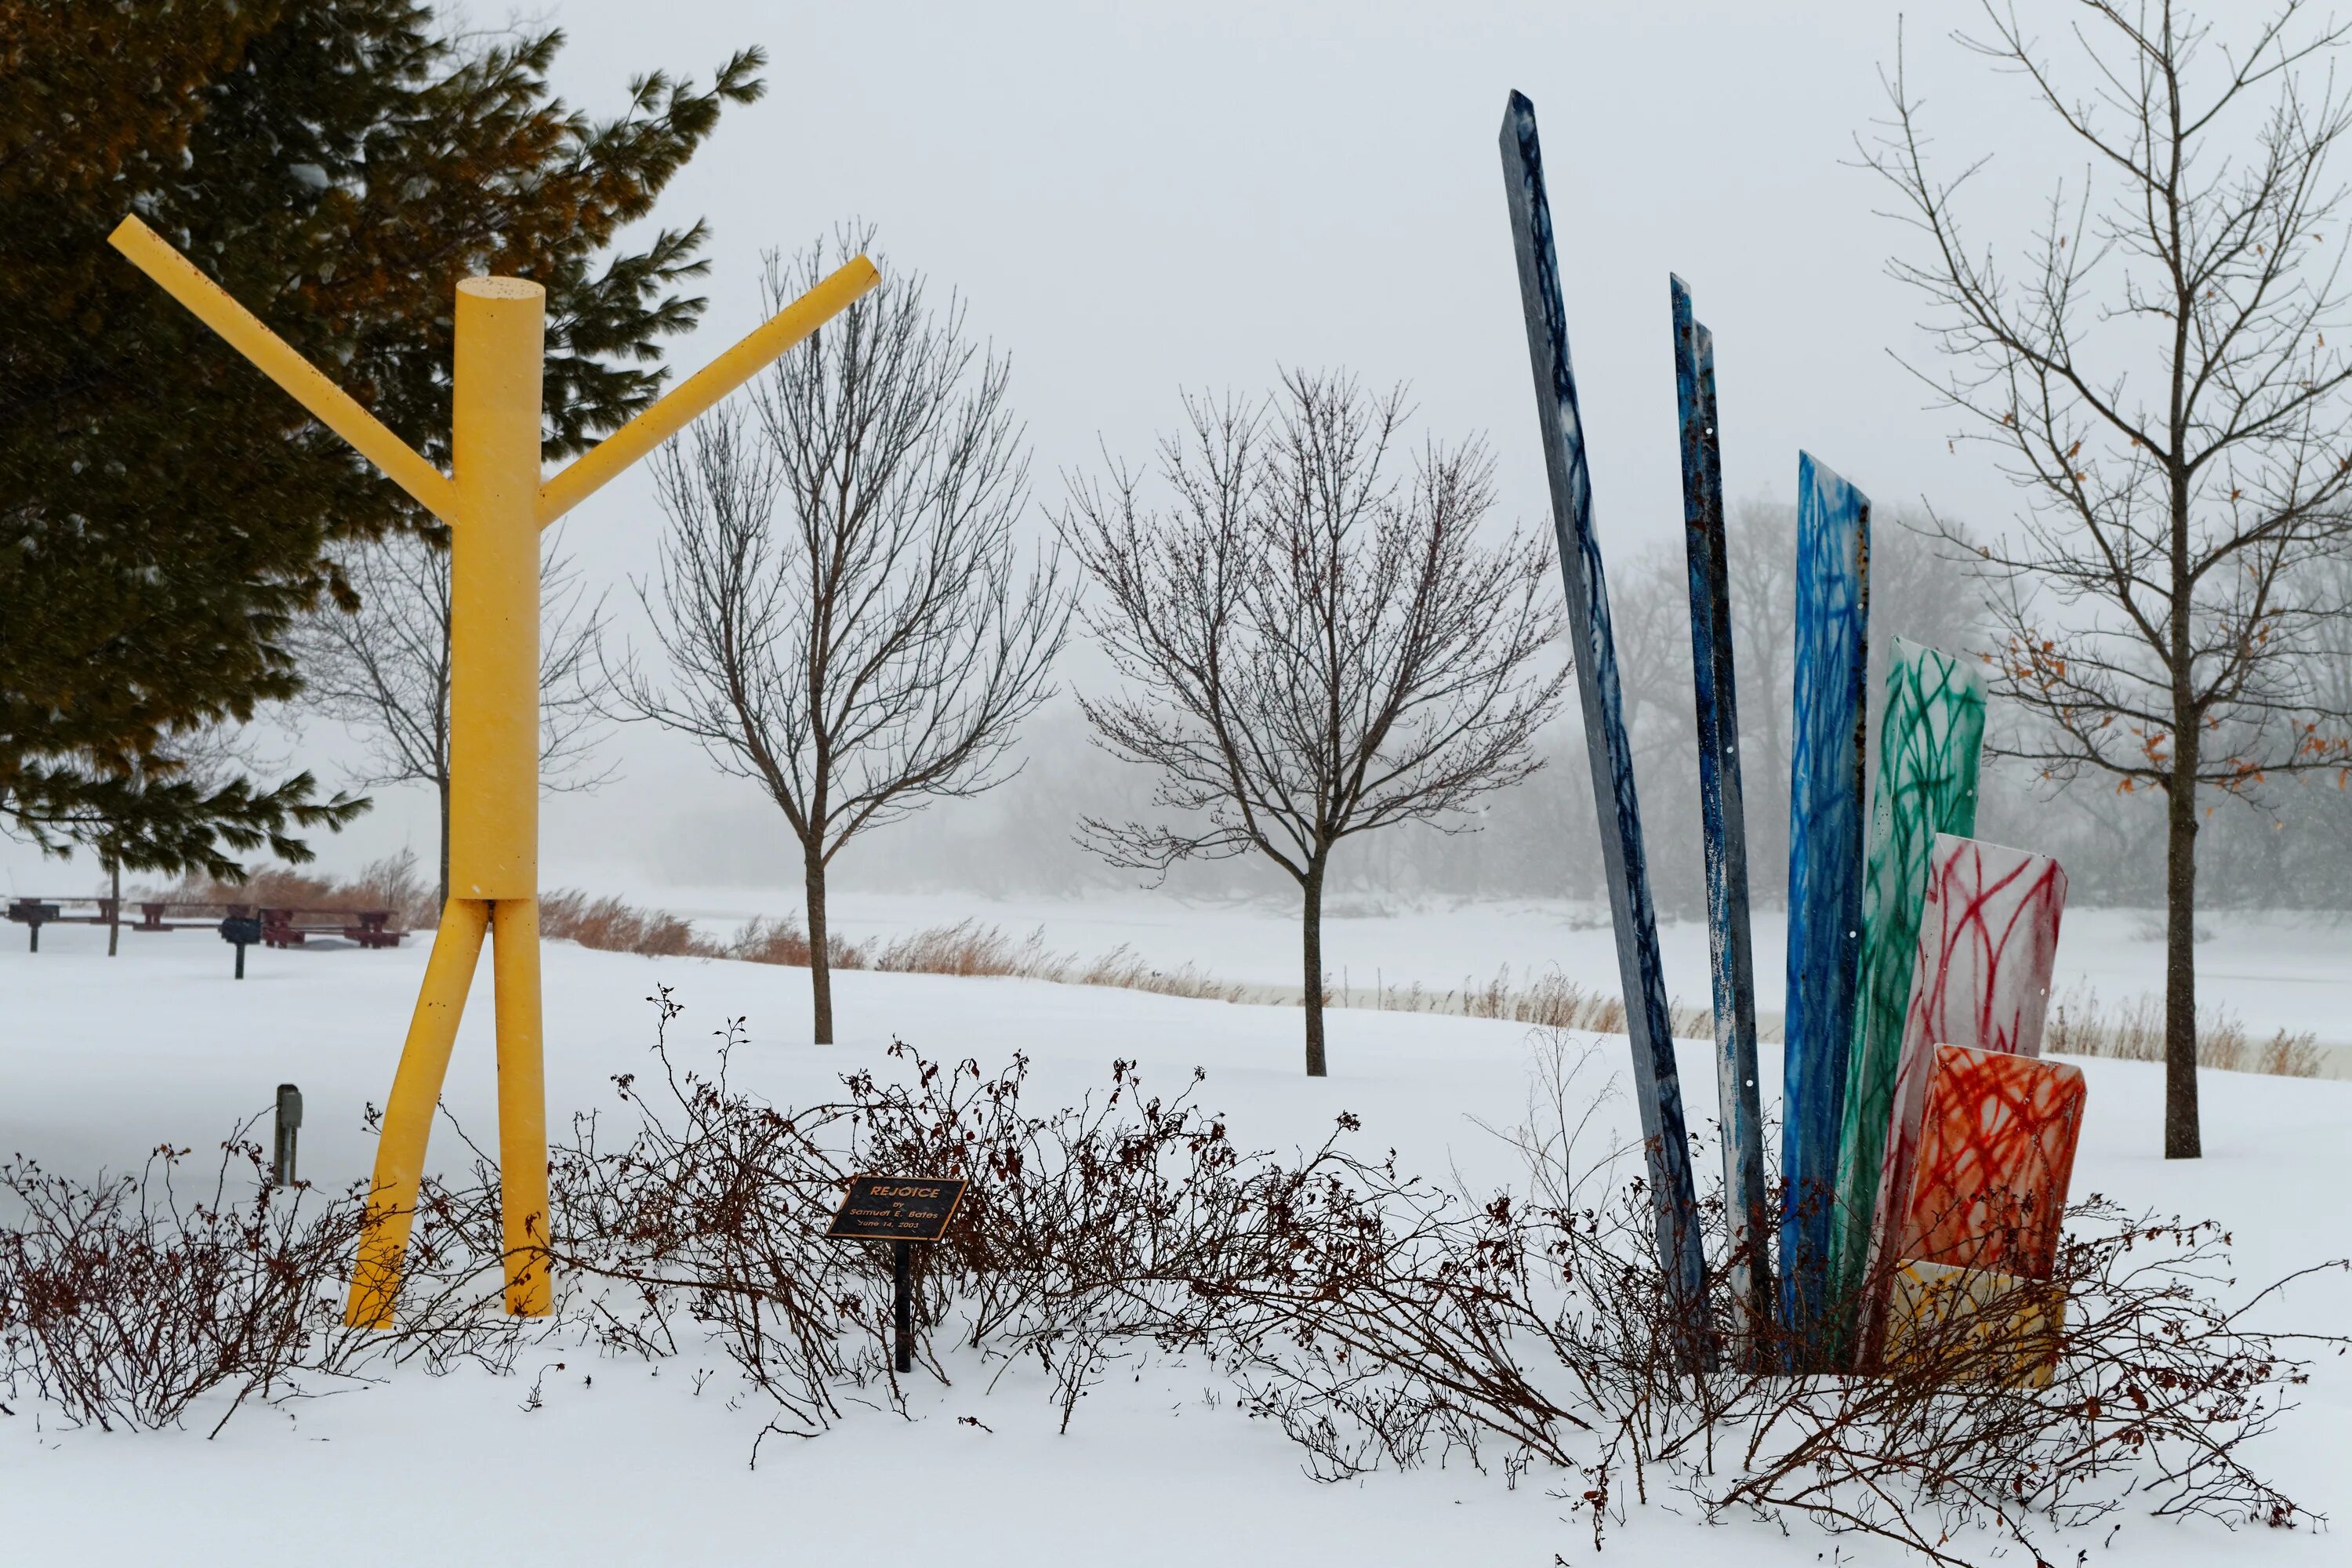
(1973, 1325)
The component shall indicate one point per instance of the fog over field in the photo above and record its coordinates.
(1134, 204)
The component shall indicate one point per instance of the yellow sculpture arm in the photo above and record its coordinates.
(329, 403)
(707, 387)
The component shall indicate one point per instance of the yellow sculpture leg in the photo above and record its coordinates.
(522, 1106)
(409, 1114)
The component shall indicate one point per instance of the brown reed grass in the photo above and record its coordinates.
(2080, 1023)
(968, 948)
(2133, 1031)
(1551, 1001)
(392, 883)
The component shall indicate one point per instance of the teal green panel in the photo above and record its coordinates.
(1930, 742)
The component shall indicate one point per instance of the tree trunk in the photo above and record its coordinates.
(820, 949)
(114, 907)
(2181, 1137)
(1313, 995)
(443, 787)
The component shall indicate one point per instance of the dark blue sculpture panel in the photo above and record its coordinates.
(1722, 815)
(1656, 1085)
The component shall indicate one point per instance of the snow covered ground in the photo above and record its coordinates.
(101, 1060)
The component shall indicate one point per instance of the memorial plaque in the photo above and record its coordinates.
(895, 1208)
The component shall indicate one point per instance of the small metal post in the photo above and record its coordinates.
(289, 1122)
(902, 1262)
(240, 930)
(36, 924)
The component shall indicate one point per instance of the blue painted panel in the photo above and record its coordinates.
(1722, 815)
(1825, 869)
(1657, 1088)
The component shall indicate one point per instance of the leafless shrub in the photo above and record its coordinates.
(2153, 1389)
(1427, 1324)
(1077, 1229)
(713, 1211)
(1377, 1318)
(123, 1302)
(1381, 1319)
(1087, 1234)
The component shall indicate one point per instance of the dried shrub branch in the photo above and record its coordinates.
(1377, 1317)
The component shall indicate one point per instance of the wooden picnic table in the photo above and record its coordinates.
(281, 925)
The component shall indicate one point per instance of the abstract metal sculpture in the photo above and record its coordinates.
(1824, 878)
(1996, 1157)
(1722, 815)
(1657, 1087)
(495, 504)
(1975, 1325)
(1988, 940)
(1928, 745)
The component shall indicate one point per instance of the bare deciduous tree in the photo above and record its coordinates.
(2155, 375)
(839, 600)
(384, 670)
(1317, 647)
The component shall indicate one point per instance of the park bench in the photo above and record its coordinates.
(291, 928)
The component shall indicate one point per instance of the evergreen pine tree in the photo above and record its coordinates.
(165, 512)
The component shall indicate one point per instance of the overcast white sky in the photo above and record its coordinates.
(1136, 199)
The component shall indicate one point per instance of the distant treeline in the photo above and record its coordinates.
(2286, 844)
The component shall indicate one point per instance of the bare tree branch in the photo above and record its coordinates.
(2157, 380)
(839, 601)
(1313, 648)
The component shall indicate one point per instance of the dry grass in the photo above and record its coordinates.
(2080, 1023)
(392, 883)
(967, 947)
(610, 925)
(1551, 1000)
(970, 947)
(2133, 1031)
(763, 940)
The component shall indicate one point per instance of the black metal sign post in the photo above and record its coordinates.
(902, 1303)
(34, 913)
(902, 1211)
(243, 930)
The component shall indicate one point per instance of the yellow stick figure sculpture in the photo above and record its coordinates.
(495, 505)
